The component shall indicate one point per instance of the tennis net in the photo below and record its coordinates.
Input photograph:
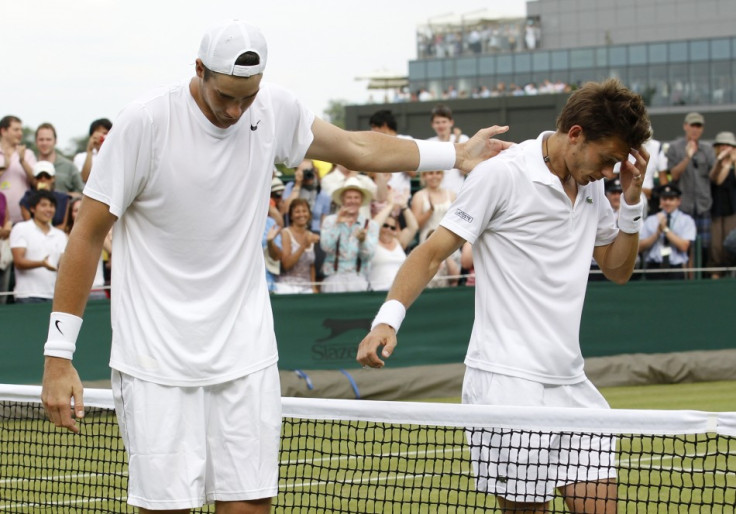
(363, 456)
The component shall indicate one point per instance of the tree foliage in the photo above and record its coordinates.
(335, 112)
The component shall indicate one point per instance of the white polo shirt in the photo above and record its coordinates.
(531, 252)
(37, 282)
(190, 305)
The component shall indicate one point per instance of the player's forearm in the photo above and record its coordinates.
(413, 276)
(621, 257)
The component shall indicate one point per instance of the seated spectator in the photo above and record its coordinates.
(430, 203)
(45, 174)
(98, 284)
(348, 239)
(723, 191)
(306, 185)
(666, 236)
(6, 256)
(37, 247)
(298, 274)
(98, 130)
(67, 178)
(392, 243)
(16, 165)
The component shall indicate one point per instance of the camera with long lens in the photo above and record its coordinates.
(308, 174)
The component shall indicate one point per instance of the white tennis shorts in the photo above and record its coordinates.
(188, 446)
(527, 466)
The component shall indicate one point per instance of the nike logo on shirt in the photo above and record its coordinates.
(254, 127)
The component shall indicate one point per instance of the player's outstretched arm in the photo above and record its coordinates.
(61, 381)
(419, 268)
(373, 151)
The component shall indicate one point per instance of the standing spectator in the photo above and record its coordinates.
(723, 191)
(348, 239)
(306, 185)
(667, 235)
(392, 242)
(16, 165)
(298, 274)
(6, 256)
(67, 178)
(339, 176)
(45, 175)
(37, 247)
(430, 203)
(271, 244)
(384, 121)
(690, 160)
(98, 130)
(442, 124)
(98, 284)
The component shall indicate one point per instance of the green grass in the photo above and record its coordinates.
(366, 467)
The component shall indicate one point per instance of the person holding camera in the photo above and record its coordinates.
(306, 186)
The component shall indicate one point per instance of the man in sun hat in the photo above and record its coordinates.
(349, 240)
(185, 175)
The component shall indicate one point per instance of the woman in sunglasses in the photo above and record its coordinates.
(392, 243)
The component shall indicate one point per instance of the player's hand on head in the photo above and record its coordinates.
(482, 146)
(632, 174)
(61, 384)
(381, 336)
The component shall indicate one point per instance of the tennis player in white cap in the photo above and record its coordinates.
(185, 176)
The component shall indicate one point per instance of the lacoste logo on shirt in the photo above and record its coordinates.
(463, 216)
(58, 327)
(254, 127)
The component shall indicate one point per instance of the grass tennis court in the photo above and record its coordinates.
(358, 467)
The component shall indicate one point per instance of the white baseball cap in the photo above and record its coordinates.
(223, 43)
(44, 167)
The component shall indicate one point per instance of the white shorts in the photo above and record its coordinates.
(188, 446)
(527, 466)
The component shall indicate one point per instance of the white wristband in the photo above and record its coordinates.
(62, 338)
(435, 155)
(391, 313)
(630, 217)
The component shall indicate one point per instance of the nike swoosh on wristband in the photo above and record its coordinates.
(254, 127)
(58, 327)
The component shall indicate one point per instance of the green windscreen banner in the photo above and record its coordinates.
(323, 331)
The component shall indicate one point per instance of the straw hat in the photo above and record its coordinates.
(352, 183)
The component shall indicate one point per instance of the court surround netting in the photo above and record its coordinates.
(369, 456)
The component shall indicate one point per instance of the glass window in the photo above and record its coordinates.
(504, 64)
(722, 82)
(487, 65)
(601, 57)
(466, 67)
(720, 49)
(699, 50)
(448, 68)
(637, 54)
(700, 83)
(658, 85)
(434, 69)
(581, 58)
(560, 60)
(523, 78)
(657, 53)
(638, 81)
(540, 61)
(417, 70)
(523, 63)
(581, 76)
(678, 52)
(617, 56)
(679, 84)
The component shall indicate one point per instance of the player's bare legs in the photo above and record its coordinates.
(509, 507)
(591, 497)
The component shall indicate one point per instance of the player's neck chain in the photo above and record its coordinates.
(548, 162)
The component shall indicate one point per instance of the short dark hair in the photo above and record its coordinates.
(8, 120)
(442, 111)
(39, 195)
(46, 126)
(607, 109)
(102, 122)
(296, 203)
(383, 117)
(244, 59)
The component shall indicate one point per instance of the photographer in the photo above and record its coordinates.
(306, 186)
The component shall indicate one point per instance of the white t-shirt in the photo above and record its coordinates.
(190, 304)
(37, 282)
(82, 156)
(453, 178)
(531, 253)
(384, 266)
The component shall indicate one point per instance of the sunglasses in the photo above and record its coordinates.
(392, 227)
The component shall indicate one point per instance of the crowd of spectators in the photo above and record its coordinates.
(331, 229)
(39, 200)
